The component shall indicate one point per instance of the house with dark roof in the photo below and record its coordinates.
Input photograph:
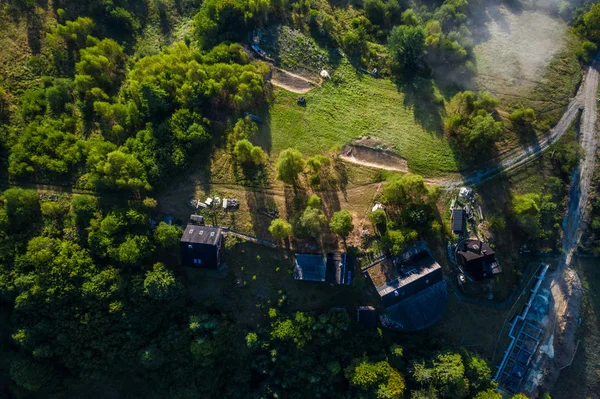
(331, 268)
(459, 221)
(201, 246)
(412, 289)
(477, 259)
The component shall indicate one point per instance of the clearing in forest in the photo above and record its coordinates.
(352, 105)
(514, 49)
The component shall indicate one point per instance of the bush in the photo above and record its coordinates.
(407, 47)
(247, 153)
(289, 165)
(280, 229)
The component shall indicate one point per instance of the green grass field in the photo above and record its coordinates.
(353, 105)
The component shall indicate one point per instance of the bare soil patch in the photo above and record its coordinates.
(567, 292)
(381, 159)
(292, 82)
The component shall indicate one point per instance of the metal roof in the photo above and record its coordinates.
(419, 311)
(310, 267)
(208, 235)
(459, 219)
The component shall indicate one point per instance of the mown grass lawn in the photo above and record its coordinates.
(352, 105)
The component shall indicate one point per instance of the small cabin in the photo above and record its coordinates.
(202, 247)
(331, 268)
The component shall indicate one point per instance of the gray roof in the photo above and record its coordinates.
(419, 311)
(459, 219)
(208, 235)
(416, 273)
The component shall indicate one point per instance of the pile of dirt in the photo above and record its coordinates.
(567, 292)
(375, 158)
(292, 82)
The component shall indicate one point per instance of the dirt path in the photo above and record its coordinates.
(518, 157)
(566, 285)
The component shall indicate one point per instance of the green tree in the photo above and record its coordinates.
(380, 379)
(483, 132)
(375, 10)
(247, 153)
(314, 202)
(405, 190)
(591, 23)
(378, 217)
(523, 116)
(341, 223)
(83, 209)
(160, 284)
(526, 204)
(22, 208)
(280, 229)
(489, 394)
(133, 250)
(407, 47)
(167, 237)
(478, 372)
(101, 66)
(30, 374)
(313, 220)
(289, 165)
(449, 375)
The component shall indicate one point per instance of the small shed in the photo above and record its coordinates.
(331, 268)
(459, 221)
(201, 246)
(197, 220)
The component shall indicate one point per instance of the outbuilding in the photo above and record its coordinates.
(330, 268)
(459, 221)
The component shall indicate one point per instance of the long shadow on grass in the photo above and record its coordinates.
(419, 95)
(260, 205)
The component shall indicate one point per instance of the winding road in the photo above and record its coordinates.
(513, 159)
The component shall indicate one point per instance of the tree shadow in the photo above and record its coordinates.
(260, 203)
(419, 95)
(35, 26)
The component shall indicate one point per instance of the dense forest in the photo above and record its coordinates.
(91, 298)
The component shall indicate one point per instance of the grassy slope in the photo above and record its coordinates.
(361, 105)
(20, 37)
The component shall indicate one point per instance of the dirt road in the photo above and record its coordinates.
(513, 159)
(566, 285)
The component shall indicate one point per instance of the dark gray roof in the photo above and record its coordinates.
(417, 272)
(459, 221)
(208, 235)
(420, 310)
(478, 259)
